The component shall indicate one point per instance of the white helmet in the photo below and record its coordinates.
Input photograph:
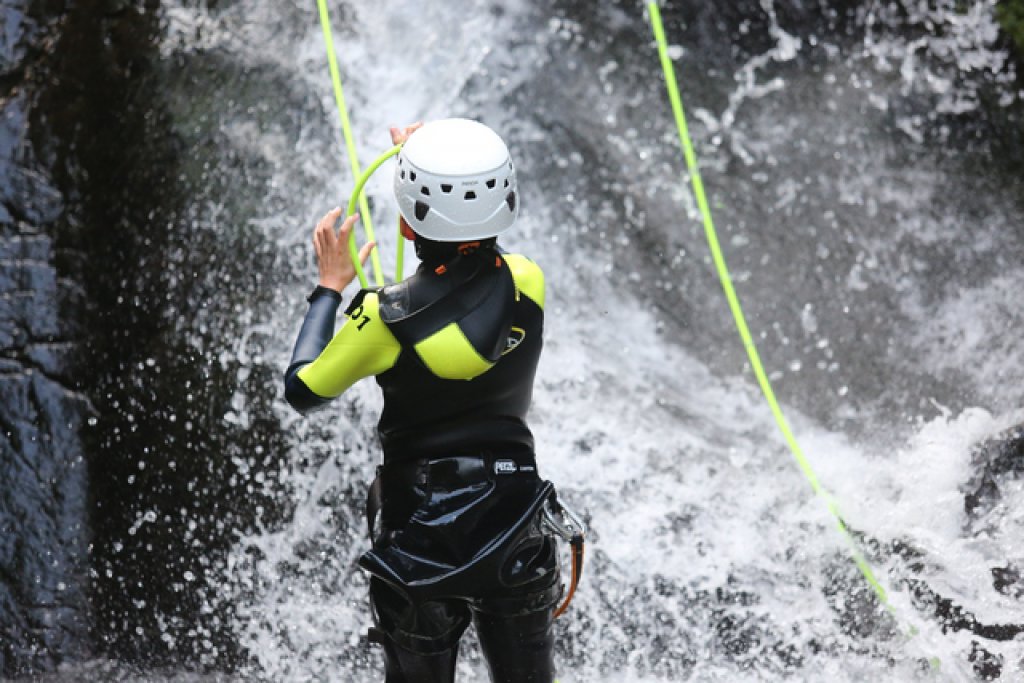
(455, 182)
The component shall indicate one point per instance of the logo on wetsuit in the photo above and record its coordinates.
(514, 339)
(511, 467)
(505, 467)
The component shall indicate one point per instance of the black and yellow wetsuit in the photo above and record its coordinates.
(433, 342)
(454, 349)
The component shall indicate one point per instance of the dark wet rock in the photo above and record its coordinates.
(44, 535)
(27, 193)
(19, 36)
(1009, 581)
(43, 516)
(953, 617)
(183, 437)
(127, 470)
(987, 666)
(857, 608)
(861, 614)
(994, 462)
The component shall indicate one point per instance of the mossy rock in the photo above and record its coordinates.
(1010, 14)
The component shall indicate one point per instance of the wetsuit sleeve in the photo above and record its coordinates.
(317, 330)
(322, 368)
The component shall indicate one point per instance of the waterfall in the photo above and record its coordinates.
(868, 196)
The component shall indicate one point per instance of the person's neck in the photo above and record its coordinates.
(433, 253)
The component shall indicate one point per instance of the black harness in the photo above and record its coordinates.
(440, 576)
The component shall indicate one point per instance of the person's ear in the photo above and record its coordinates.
(407, 232)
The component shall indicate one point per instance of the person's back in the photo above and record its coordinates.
(454, 349)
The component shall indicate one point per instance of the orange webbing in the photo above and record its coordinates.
(577, 565)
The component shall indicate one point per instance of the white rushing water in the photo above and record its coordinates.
(709, 557)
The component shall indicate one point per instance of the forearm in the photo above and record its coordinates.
(316, 333)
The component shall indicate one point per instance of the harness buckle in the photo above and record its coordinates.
(569, 527)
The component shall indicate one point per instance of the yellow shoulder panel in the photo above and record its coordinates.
(449, 355)
(364, 346)
(528, 276)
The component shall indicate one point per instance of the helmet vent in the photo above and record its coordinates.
(446, 188)
(506, 182)
(511, 201)
(470, 195)
(412, 176)
(421, 210)
(491, 183)
(425, 190)
(402, 175)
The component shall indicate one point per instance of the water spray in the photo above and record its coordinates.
(346, 128)
(575, 537)
(741, 323)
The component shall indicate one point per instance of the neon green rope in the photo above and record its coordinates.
(357, 194)
(346, 127)
(400, 255)
(737, 311)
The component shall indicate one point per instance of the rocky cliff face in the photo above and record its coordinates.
(43, 510)
(120, 298)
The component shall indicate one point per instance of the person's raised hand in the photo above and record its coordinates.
(400, 135)
(332, 253)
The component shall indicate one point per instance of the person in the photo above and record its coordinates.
(454, 349)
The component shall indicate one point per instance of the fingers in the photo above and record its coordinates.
(329, 219)
(346, 227)
(400, 135)
(334, 260)
(345, 233)
(324, 230)
(365, 252)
